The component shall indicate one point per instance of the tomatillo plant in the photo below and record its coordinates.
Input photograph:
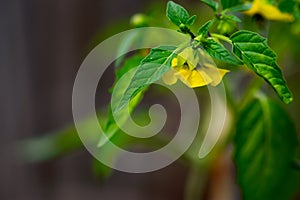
(262, 134)
(264, 150)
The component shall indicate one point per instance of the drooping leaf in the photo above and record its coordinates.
(219, 52)
(214, 5)
(264, 148)
(177, 14)
(157, 63)
(259, 57)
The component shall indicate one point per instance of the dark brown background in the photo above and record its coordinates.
(42, 45)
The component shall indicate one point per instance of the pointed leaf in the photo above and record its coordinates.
(177, 14)
(258, 56)
(191, 20)
(203, 30)
(157, 63)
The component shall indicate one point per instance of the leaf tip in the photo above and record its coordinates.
(288, 100)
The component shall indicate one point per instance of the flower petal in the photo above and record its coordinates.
(210, 68)
(193, 78)
(174, 62)
(268, 11)
(216, 75)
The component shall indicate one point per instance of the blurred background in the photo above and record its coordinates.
(42, 46)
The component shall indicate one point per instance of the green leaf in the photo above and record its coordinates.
(214, 5)
(177, 14)
(157, 63)
(203, 30)
(259, 57)
(229, 3)
(233, 18)
(239, 8)
(264, 148)
(191, 20)
(219, 52)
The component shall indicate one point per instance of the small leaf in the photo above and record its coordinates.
(191, 20)
(219, 52)
(214, 5)
(157, 63)
(264, 148)
(203, 30)
(258, 56)
(177, 14)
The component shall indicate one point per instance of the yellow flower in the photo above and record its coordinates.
(268, 11)
(195, 69)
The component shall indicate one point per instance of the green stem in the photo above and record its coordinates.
(221, 37)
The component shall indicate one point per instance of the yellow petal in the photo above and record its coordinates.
(268, 11)
(174, 62)
(193, 78)
(216, 75)
(170, 78)
(210, 68)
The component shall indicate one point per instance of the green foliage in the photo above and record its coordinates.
(151, 69)
(229, 3)
(214, 5)
(287, 6)
(265, 146)
(253, 50)
(179, 15)
(111, 127)
(239, 8)
(219, 52)
(203, 30)
(265, 141)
